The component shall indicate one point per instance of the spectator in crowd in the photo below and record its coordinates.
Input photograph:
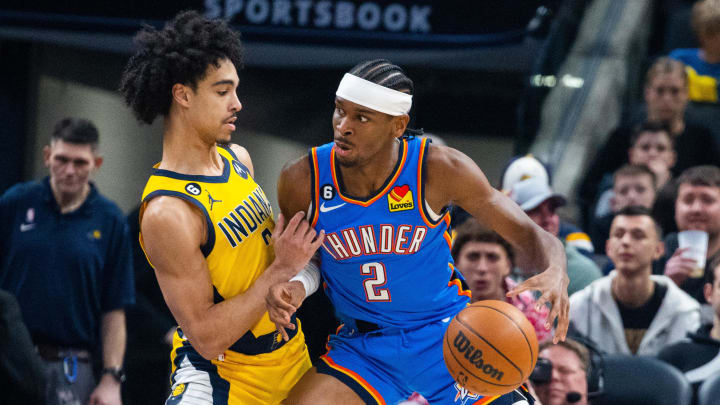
(651, 145)
(666, 87)
(486, 261)
(569, 363)
(633, 185)
(22, 373)
(703, 64)
(66, 257)
(697, 357)
(631, 311)
(697, 207)
(524, 167)
(654, 147)
(537, 199)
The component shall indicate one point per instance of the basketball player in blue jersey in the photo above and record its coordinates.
(207, 227)
(382, 196)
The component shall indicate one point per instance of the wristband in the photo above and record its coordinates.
(309, 276)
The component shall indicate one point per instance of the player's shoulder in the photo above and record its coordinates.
(241, 154)
(445, 159)
(170, 213)
(239, 151)
(296, 170)
(294, 185)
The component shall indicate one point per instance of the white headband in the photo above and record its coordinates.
(375, 96)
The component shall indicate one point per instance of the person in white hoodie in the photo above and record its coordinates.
(631, 311)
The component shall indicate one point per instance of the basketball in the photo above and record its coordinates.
(490, 348)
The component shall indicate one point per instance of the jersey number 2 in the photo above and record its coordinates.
(378, 278)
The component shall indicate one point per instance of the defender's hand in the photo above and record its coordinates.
(282, 301)
(295, 243)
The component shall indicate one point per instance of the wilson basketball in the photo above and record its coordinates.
(490, 348)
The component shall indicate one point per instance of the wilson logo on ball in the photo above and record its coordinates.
(474, 356)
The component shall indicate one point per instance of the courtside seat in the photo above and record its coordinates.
(638, 380)
(709, 392)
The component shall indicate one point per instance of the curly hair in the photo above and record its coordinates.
(179, 53)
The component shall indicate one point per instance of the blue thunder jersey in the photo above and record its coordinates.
(385, 259)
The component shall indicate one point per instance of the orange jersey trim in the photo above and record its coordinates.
(372, 391)
(457, 283)
(380, 194)
(421, 199)
(448, 238)
(316, 202)
(486, 400)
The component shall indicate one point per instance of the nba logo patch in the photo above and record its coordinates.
(240, 169)
(400, 199)
(463, 395)
(30, 216)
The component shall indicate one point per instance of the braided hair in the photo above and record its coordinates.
(386, 74)
(179, 53)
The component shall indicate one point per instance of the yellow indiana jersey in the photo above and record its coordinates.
(240, 225)
(239, 222)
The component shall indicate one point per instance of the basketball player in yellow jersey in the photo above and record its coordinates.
(207, 227)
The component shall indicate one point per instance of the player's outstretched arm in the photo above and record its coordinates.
(173, 232)
(294, 196)
(452, 177)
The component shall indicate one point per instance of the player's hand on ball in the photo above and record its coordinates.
(552, 284)
(282, 301)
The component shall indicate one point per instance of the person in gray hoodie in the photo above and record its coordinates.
(631, 311)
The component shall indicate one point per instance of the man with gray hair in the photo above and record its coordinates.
(561, 375)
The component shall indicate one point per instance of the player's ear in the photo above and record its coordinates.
(181, 94)
(399, 124)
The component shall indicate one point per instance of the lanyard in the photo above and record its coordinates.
(70, 368)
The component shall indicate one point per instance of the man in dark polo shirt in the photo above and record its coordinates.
(65, 255)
